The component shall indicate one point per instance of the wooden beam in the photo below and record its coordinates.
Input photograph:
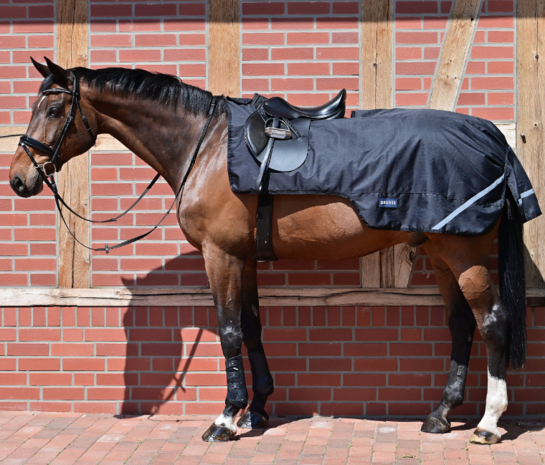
(389, 268)
(531, 124)
(224, 47)
(448, 76)
(72, 50)
(120, 297)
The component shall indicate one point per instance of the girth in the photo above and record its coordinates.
(277, 135)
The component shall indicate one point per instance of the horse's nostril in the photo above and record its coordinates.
(18, 184)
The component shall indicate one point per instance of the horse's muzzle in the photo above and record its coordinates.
(22, 190)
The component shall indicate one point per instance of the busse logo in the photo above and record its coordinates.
(387, 203)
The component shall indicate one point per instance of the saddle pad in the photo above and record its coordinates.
(403, 170)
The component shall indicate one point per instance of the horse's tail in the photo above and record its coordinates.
(513, 283)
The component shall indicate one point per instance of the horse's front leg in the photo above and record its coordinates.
(262, 381)
(225, 275)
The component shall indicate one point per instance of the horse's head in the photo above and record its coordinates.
(56, 133)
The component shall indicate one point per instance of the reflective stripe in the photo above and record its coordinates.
(468, 204)
(525, 194)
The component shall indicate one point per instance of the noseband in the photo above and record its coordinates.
(55, 151)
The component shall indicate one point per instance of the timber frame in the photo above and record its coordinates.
(385, 274)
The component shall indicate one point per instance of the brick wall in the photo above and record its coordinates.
(348, 361)
(334, 361)
(27, 226)
(488, 86)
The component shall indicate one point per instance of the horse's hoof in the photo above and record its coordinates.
(435, 426)
(481, 436)
(218, 433)
(252, 420)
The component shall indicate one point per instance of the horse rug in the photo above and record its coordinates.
(403, 170)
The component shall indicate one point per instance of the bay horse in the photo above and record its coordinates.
(160, 118)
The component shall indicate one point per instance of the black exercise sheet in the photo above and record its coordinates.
(403, 170)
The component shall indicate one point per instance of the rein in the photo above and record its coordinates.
(54, 153)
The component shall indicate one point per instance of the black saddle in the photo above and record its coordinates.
(277, 132)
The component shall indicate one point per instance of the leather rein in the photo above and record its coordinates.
(54, 152)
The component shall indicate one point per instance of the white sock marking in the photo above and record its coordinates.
(496, 404)
(226, 422)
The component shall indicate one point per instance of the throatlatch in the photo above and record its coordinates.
(237, 394)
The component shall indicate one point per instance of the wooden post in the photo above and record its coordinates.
(448, 77)
(390, 267)
(224, 47)
(531, 124)
(73, 181)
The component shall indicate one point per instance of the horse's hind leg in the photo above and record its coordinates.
(461, 323)
(262, 381)
(468, 259)
(225, 275)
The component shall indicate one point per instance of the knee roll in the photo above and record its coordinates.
(237, 394)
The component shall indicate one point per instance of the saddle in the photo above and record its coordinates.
(277, 132)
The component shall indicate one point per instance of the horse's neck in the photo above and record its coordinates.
(156, 133)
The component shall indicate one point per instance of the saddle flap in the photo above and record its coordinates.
(288, 154)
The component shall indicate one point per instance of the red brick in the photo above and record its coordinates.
(28, 349)
(416, 38)
(265, 9)
(59, 393)
(492, 52)
(291, 53)
(137, 55)
(406, 379)
(83, 364)
(364, 379)
(96, 393)
(12, 379)
(263, 38)
(411, 99)
(110, 11)
(36, 364)
(413, 7)
(418, 68)
(21, 393)
(64, 349)
(291, 84)
(375, 364)
(263, 69)
(39, 335)
(337, 53)
(496, 22)
(155, 10)
(500, 67)
(494, 114)
(501, 98)
(292, 23)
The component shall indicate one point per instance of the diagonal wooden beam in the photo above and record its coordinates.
(448, 76)
(73, 181)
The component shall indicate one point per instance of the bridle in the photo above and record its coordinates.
(55, 151)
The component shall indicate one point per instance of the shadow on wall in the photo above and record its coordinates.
(163, 345)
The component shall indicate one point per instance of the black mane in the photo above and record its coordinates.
(162, 88)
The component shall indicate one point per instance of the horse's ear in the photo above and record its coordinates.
(62, 77)
(42, 69)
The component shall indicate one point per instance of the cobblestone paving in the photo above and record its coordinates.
(62, 439)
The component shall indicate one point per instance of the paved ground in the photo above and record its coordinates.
(40, 438)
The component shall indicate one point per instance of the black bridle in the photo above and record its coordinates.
(54, 152)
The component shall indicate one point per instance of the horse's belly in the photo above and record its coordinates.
(324, 227)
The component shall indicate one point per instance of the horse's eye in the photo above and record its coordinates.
(53, 111)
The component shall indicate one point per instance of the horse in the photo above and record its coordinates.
(161, 119)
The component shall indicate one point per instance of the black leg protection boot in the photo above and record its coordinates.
(237, 394)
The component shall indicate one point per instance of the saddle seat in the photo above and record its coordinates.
(277, 106)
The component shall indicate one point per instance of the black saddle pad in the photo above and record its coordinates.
(404, 170)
